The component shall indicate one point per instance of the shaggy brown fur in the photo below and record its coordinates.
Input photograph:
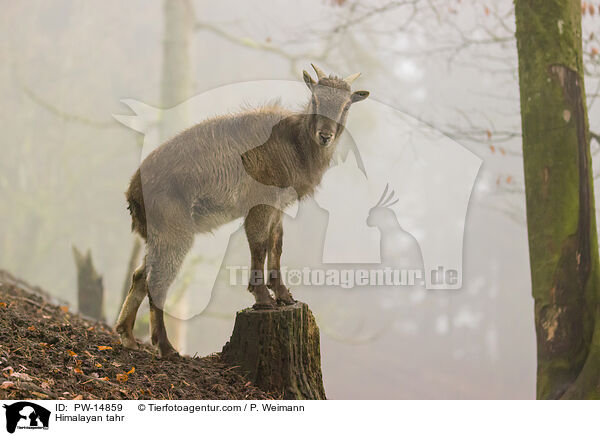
(253, 165)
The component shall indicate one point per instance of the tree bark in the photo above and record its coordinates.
(90, 290)
(280, 350)
(563, 245)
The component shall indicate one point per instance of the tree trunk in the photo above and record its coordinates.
(176, 80)
(90, 290)
(280, 350)
(563, 246)
(176, 87)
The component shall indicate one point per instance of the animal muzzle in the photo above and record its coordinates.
(325, 137)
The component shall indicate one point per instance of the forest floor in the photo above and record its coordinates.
(47, 352)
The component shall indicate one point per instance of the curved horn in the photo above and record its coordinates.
(320, 73)
(351, 78)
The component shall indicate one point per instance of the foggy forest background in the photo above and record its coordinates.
(65, 162)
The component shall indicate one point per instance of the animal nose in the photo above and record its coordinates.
(325, 136)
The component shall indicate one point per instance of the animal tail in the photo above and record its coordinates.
(135, 201)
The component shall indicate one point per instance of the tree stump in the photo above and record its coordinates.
(280, 350)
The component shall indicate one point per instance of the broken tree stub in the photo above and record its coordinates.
(279, 349)
(90, 289)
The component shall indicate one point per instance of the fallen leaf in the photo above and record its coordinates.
(72, 353)
(104, 378)
(2, 304)
(122, 378)
(104, 347)
(492, 148)
(31, 328)
(9, 369)
(7, 385)
(78, 397)
(77, 371)
(131, 371)
(98, 365)
(21, 376)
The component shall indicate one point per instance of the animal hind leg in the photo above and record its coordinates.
(126, 320)
(159, 332)
(275, 281)
(164, 261)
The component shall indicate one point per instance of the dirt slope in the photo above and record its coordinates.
(47, 352)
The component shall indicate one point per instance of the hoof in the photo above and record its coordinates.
(168, 354)
(129, 343)
(286, 298)
(285, 301)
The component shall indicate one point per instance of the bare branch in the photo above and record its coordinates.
(256, 45)
(69, 117)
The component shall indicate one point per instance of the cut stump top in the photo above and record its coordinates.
(279, 349)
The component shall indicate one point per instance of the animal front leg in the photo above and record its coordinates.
(275, 282)
(256, 222)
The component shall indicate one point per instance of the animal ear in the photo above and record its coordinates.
(308, 80)
(359, 96)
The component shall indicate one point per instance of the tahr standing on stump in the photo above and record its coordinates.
(252, 164)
